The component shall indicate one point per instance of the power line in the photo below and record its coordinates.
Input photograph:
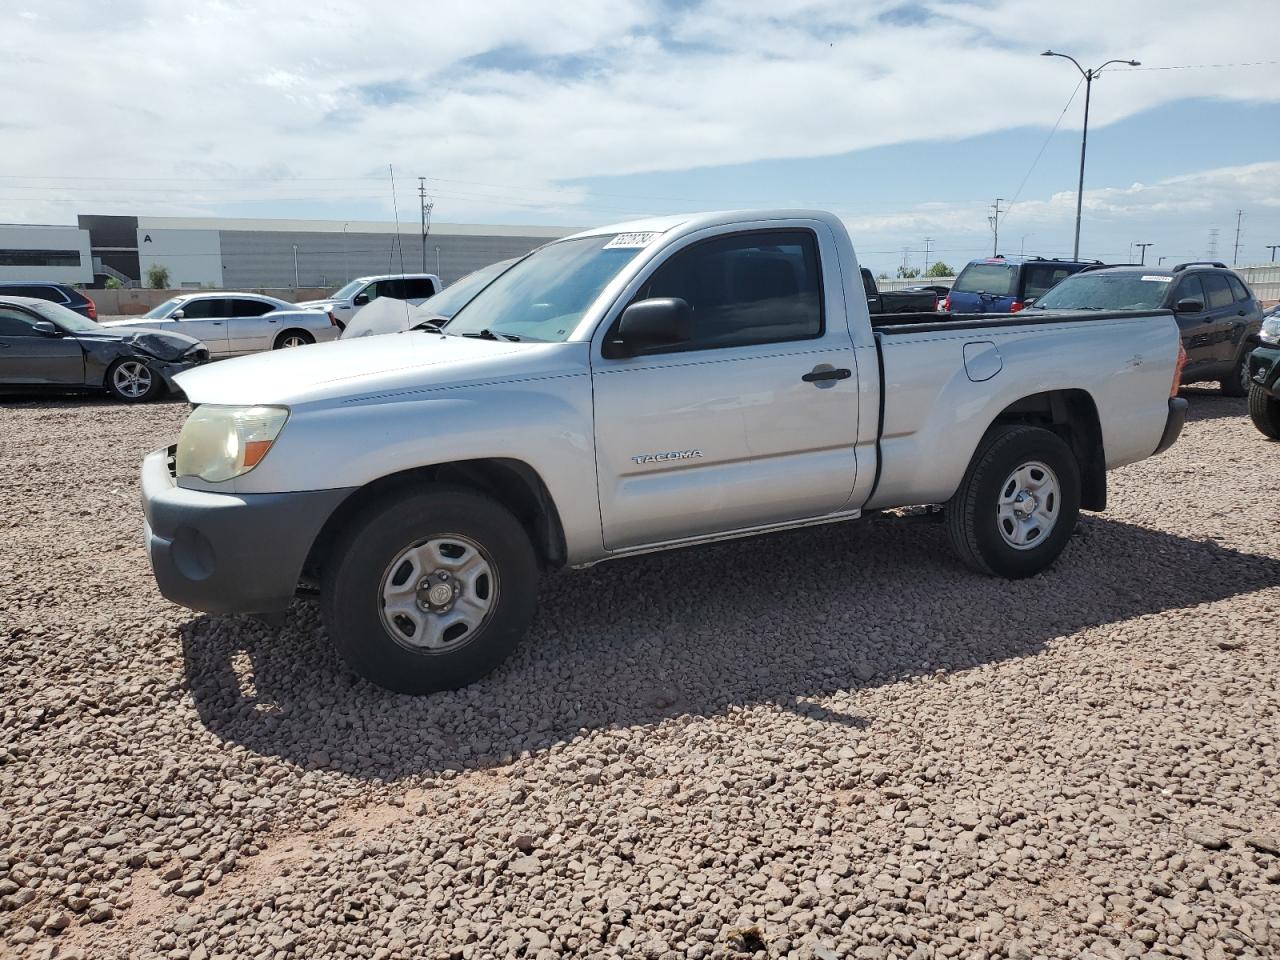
(1201, 66)
(1040, 153)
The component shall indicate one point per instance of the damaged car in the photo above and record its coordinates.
(44, 347)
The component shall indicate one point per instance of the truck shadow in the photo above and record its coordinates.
(1208, 403)
(786, 619)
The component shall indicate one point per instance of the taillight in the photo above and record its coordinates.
(946, 303)
(1177, 369)
(1016, 306)
(333, 321)
(93, 309)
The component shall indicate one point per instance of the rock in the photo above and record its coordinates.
(1264, 843)
(525, 866)
(1209, 839)
(192, 888)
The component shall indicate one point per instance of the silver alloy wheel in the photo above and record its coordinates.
(132, 379)
(1246, 381)
(438, 594)
(1027, 510)
(294, 340)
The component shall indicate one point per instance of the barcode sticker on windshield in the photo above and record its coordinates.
(1158, 279)
(630, 241)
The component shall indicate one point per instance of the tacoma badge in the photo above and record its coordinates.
(673, 455)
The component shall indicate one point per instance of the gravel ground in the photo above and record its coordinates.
(827, 743)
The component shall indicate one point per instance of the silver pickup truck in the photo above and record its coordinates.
(633, 388)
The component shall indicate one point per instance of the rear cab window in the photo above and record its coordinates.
(996, 279)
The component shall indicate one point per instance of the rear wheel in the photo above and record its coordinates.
(293, 338)
(1264, 411)
(1238, 382)
(429, 591)
(1017, 504)
(132, 381)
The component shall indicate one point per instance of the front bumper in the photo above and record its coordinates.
(1173, 424)
(167, 370)
(224, 552)
(1264, 368)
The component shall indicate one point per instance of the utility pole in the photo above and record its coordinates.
(346, 262)
(927, 241)
(1143, 248)
(1272, 247)
(295, 267)
(1235, 254)
(994, 220)
(1089, 77)
(905, 253)
(424, 208)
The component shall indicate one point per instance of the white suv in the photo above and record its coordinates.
(413, 287)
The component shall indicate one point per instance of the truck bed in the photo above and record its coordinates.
(891, 323)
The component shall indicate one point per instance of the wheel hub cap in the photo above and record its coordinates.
(1027, 509)
(437, 594)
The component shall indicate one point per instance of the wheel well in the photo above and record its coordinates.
(514, 484)
(1072, 415)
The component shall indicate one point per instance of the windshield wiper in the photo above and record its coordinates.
(488, 334)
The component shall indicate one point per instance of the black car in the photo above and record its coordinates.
(1217, 313)
(46, 347)
(1264, 377)
(69, 297)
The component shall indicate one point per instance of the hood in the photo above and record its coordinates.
(385, 315)
(368, 366)
(154, 343)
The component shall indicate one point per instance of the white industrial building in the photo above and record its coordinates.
(253, 253)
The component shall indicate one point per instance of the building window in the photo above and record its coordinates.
(39, 258)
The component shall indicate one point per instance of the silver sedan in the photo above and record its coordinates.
(233, 324)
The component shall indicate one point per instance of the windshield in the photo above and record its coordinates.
(1103, 291)
(157, 313)
(545, 295)
(349, 290)
(459, 293)
(68, 320)
(996, 279)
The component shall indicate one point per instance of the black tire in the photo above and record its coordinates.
(361, 563)
(972, 514)
(126, 371)
(1237, 384)
(286, 339)
(1264, 411)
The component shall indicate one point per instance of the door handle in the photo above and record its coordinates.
(818, 374)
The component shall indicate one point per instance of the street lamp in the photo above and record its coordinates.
(1143, 248)
(346, 264)
(1084, 135)
(295, 266)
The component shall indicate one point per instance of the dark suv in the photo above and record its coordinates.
(1005, 284)
(69, 297)
(1217, 313)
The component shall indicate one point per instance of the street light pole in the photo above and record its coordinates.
(1143, 248)
(346, 263)
(295, 267)
(1272, 247)
(1089, 76)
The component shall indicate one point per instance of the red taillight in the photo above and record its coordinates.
(333, 321)
(1016, 306)
(945, 304)
(93, 309)
(1177, 369)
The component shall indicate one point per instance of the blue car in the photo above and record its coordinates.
(1005, 284)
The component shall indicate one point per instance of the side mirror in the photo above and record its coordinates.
(361, 299)
(652, 325)
(46, 328)
(1188, 305)
(177, 315)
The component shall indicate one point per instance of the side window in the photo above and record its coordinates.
(1189, 288)
(393, 288)
(203, 308)
(1216, 290)
(1041, 278)
(15, 323)
(1238, 289)
(418, 287)
(250, 308)
(746, 289)
(37, 292)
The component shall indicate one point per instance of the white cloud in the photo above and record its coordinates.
(507, 92)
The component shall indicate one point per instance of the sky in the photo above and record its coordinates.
(908, 119)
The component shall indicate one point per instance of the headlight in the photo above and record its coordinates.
(218, 443)
(1270, 332)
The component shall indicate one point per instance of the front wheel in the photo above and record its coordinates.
(430, 590)
(1237, 383)
(132, 381)
(1264, 411)
(1017, 504)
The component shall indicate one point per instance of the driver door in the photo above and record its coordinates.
(29, 357)
(205, 318)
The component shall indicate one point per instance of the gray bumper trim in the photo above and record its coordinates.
(229, 553)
